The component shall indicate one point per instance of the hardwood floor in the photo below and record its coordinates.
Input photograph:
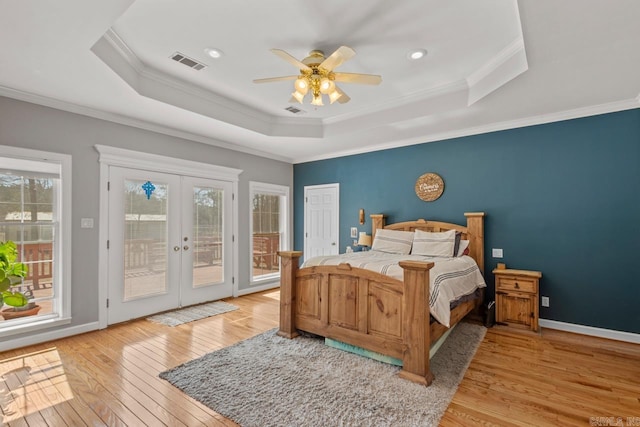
(110, 377)
(556, 378)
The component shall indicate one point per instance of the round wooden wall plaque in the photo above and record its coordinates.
(429, 187)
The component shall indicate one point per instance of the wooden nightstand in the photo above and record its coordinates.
(517, 298)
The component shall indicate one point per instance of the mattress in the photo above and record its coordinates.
(449, 280)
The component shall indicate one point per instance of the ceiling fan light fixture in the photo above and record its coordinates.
(317, 100)
(301, 85)
(327, 86)
(334, 96)
(317, 77)
(298, 96)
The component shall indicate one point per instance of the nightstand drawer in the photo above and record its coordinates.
(517, 284)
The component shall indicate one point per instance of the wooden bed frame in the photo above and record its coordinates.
(371, 310)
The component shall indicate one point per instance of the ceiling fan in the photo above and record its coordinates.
(317, 75)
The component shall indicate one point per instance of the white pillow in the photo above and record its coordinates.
(464, 244)
(434, 244)
(393, 241)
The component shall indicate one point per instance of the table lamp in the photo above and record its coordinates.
(364, 240)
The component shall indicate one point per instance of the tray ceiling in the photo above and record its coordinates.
(490, 65)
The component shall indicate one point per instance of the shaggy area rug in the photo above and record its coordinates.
(189, 314)
(272, 381)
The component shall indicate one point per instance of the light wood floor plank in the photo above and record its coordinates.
(55, 410)
(163, 395)
(110, 377)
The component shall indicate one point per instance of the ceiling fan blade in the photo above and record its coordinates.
(342, 54)
(364, 79)
(290, 59)
(344, 98)
(275, 79)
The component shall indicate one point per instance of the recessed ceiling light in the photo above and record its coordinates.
(213, 52)
(416, 54)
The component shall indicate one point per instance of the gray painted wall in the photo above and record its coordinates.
(32, 126)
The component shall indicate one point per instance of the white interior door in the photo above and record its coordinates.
(169, 242)
(321, 220)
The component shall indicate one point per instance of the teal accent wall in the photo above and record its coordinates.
(562, 198)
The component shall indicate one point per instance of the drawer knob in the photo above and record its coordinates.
(517, 286)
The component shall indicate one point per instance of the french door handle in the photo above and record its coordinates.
(176, 248)
(186, 248)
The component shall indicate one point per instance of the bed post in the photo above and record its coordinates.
(289, 262)
(377, 222)
(416, 332)
(475, 229)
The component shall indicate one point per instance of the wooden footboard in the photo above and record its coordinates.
(371, 310)
(362, 308)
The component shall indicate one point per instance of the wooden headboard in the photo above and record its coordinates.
(474, 231)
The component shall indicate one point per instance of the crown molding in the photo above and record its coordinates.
(165, 130)
(577, 113)
(509, 63)
(112, 50)
(413, 99)
(506, 65)
(136, 123)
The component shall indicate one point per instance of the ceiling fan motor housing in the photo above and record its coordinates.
(314, 59)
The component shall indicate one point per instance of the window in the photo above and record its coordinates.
(34, 204)
(269, 229)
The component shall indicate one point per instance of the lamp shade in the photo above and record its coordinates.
(317, 100)
(298, 96)
(364, 239)
(333, 96)
(301, 85)
(327, 86)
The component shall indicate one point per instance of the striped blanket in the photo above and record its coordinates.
(450, 278)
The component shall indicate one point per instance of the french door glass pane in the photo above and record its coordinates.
(145, 240)
(207, 236)
(266, 234)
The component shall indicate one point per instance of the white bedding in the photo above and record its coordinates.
(450, 278)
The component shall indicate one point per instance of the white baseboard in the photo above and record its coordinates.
(48, 336)
(254, 289)
(590, 330)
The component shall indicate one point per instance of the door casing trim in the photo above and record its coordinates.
(113, 156)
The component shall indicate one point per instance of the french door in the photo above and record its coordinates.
(169, 242)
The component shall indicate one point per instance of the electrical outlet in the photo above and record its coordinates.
(544, 301)
(355, 242)
(496, 253)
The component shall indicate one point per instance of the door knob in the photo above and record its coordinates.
(186, 248)
(176, 248)
(333, 244)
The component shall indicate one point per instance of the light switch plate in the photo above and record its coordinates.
(354, 232)
(496, 253)
(86, 223)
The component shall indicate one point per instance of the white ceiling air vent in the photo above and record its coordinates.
(295, 110)
(191, 63)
